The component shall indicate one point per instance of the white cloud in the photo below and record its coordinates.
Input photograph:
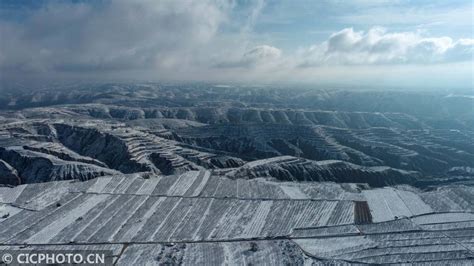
(188, 40)
(377, 46)
(114, 35)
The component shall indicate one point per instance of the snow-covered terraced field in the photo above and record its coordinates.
(199, 217)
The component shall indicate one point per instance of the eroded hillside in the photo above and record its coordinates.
(238, 176)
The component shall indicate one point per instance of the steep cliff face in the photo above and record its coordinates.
(288, 168)
(34, 167)
(102, 146)
(87, 149)
(8, 174)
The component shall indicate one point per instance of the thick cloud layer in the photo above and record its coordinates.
(377, 46)
(200, 40)
(116, 35)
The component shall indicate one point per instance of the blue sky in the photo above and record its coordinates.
(310, 21)
(350, 43)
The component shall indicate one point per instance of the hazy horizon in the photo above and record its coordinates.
(386, 44)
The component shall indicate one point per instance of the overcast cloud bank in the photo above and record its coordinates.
(188, 40)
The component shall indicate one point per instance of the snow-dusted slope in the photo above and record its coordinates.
(288, 168)
(199, 217)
